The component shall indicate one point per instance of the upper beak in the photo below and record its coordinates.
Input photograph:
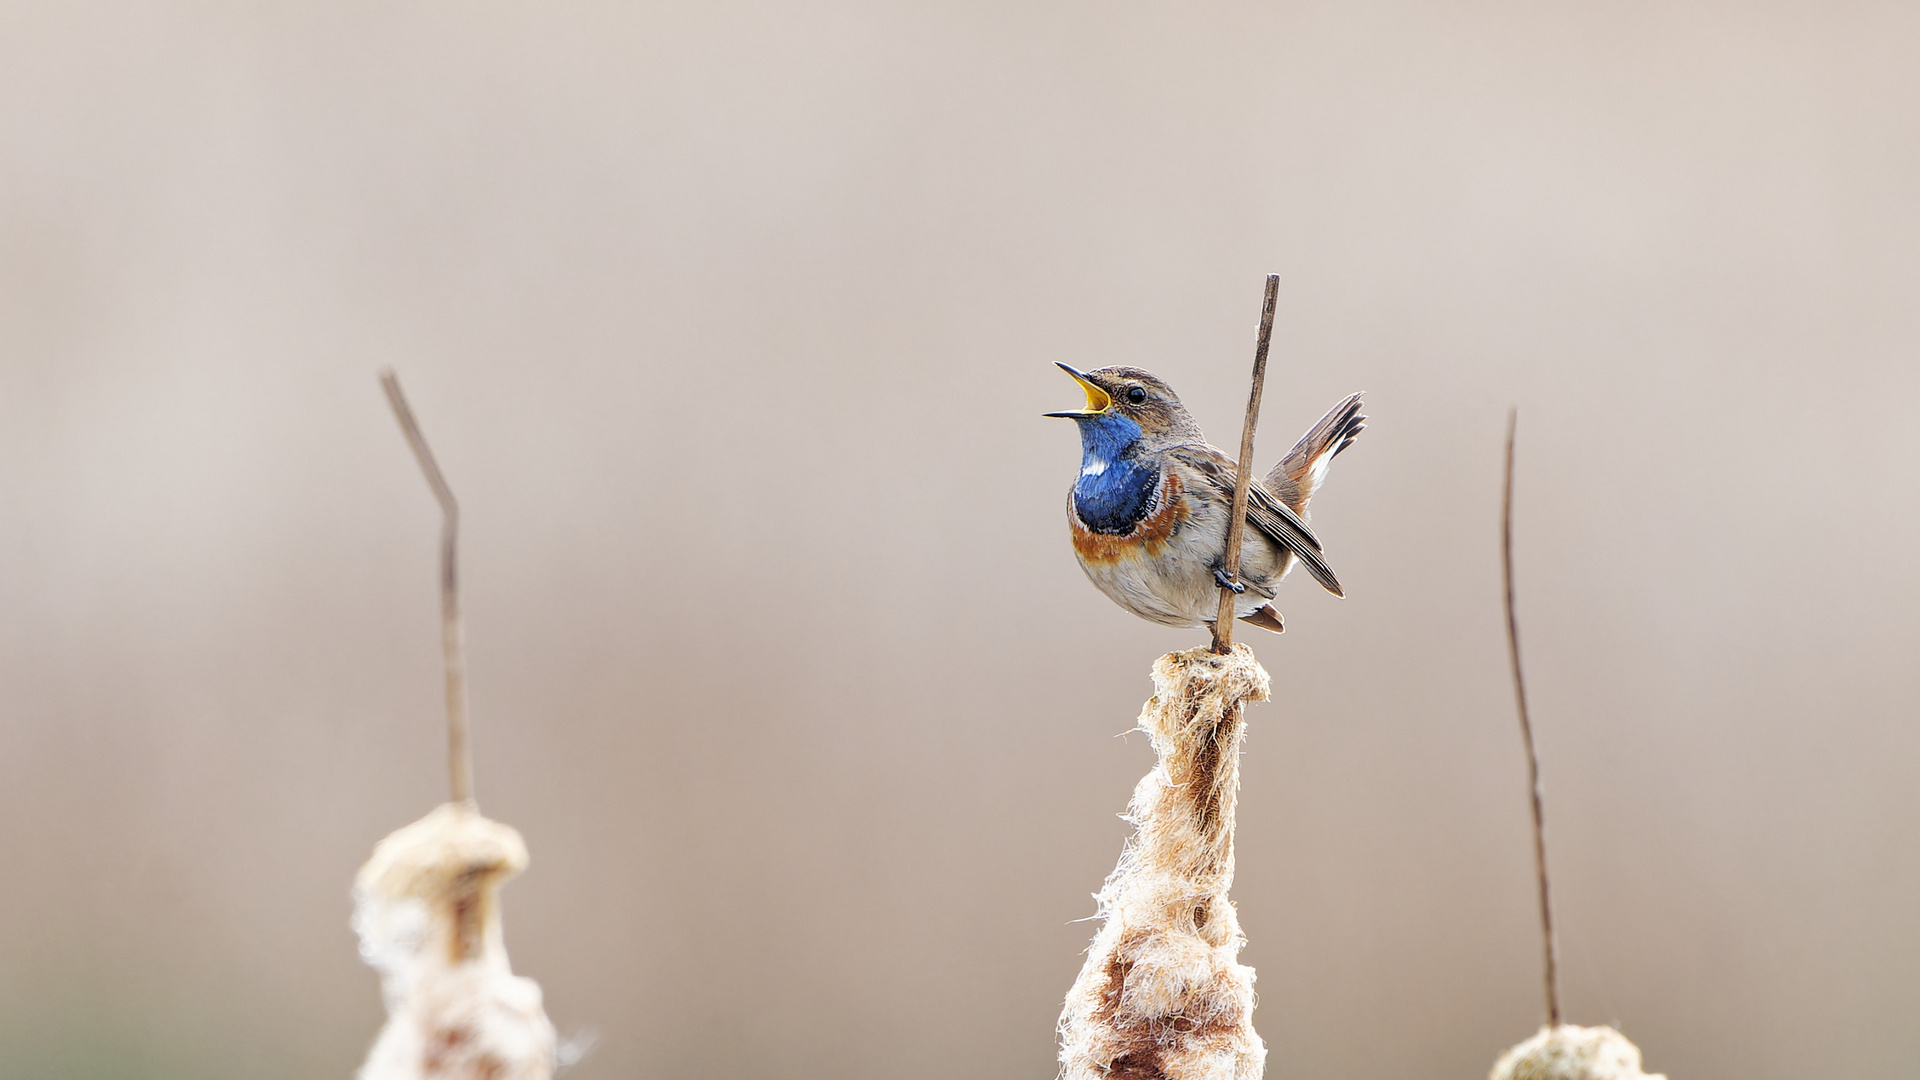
(1098, 400)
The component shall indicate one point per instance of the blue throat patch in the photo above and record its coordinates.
(1115, 488)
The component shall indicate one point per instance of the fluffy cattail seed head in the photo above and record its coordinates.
(1573, 1053)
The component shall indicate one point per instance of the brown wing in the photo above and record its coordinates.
(1275, 519)
(1266, 512)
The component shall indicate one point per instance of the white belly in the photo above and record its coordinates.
(1174, 585)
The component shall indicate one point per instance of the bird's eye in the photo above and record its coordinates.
(1137, 395)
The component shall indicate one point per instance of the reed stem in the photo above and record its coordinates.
(1550, 944)
(1243, 475)
(452, 636)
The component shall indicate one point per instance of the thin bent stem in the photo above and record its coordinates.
(1551, 945)
(1243, 475)
(452, 639)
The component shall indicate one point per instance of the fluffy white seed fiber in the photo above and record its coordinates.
(426, 911)
(1573, 1053)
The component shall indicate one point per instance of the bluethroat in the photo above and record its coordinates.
(1149, 510)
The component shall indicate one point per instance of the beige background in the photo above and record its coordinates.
(733, 325)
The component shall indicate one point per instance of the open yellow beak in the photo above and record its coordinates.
(1098, 400)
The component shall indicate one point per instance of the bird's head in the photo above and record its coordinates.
(1127, 405)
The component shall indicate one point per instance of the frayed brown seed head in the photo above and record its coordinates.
(1573, 1053)
(1161, 996)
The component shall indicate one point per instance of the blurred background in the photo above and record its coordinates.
(732, 325)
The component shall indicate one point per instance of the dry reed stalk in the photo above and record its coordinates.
(1162, 995)
(1557, 1051)
(1243, 470)
(426, 905)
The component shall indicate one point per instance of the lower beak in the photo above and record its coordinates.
(1098, 400)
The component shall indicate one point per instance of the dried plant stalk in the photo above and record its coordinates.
(452, 634)
(1558, 1051)
(1243, 471)
(1568, 1052)
(426, 910)
(1162, 995)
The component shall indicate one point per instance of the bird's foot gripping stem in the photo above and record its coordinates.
(1225, 581)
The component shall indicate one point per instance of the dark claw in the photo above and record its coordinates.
(1225, 581)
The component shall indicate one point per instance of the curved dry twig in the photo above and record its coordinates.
(1550, 943)
(452, 637)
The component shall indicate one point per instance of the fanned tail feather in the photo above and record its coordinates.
(1301, 472)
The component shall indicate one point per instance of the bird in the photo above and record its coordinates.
(1148, 512)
